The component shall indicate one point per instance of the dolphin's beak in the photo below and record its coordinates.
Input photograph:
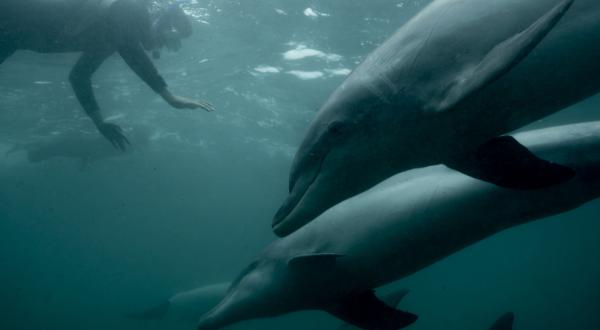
(218, 317)
(290, 215)
(279, 221)
(207, 323)
(306, 170)
(237, 305)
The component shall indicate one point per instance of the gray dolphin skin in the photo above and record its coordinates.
(397, 228)
(443, 90)
(504, 322)
(187, 305)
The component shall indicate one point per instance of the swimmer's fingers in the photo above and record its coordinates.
(114, 134)
(199, 104)
(183, 103)
(114, 143)
(126, 140)
(122, 141)
(206, 106)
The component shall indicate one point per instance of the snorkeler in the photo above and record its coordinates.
(97, 28)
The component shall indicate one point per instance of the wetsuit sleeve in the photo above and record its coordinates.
(131, 27)
(81, 81)
(140, 63)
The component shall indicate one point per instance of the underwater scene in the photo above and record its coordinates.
(291, 164)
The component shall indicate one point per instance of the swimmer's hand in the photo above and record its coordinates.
(183, 103)
(114, 134)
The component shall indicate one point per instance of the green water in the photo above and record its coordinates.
(84, 244)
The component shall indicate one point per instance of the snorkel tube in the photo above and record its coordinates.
(170, 26)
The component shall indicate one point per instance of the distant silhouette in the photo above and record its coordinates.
(86, 148)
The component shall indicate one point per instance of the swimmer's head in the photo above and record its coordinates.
(171, 26)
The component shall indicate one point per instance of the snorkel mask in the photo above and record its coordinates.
(171, 25)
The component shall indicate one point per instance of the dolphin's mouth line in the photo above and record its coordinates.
(218, 307)
(297, 197)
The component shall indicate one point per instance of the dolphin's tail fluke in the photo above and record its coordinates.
(154, 313)
(504, 322)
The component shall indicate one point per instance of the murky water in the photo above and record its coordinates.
(87, 240)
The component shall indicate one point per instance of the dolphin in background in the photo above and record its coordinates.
(443, 90)
(86, 148)
(397, 228)
(186, 306)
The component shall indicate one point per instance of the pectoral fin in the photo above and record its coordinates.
(365, 311)
(505, 162)
(500, 59)
(393, 298)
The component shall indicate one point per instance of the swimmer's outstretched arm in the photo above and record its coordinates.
(81, 81)
(137, 59)
(131, 25)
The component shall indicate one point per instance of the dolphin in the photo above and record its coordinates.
(397, 228)
(443, 90)
(74, 145)
(187, 305)
(504, 322)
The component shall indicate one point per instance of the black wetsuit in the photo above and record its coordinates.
(53, 26)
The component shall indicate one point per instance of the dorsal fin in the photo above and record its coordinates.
(500, 59)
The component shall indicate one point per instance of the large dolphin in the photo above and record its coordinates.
(443, 89)
(397, 228)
